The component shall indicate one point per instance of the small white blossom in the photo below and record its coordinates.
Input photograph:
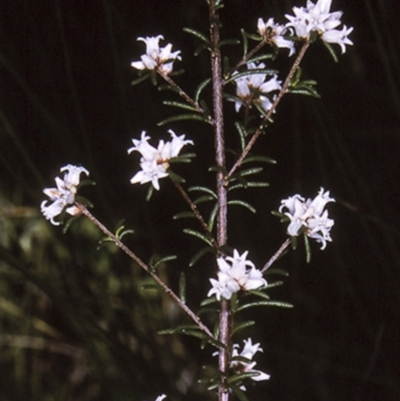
(275, 34)
(249, 350)
(156, 57)
(310, 215)
(318, 18)
(63, 195)
(253, 88)
(161, 397)
(155, 161)
(235, 274)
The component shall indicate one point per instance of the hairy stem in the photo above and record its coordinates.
(275, 256)
(197, 214)
(145, 267)
(225, 319)
(182, 93)
(284, 90)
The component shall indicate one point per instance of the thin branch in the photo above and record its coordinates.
(283, 91)
(182, 93)
(275, 256)
(225, 315)
(250, 54)
(197, 214)
(145, 267)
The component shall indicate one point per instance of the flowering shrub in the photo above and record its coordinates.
(240, 285)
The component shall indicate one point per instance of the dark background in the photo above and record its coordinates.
(65, 97)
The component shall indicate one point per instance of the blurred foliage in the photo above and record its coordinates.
(75, 323)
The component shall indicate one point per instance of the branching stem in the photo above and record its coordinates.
(275, 256)
(145, 267)
(225, 315)
(284, 90)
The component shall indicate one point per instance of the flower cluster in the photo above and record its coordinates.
(155, 161)
(248, 351)
(156, 57)
(274, 34)
(253, 88)
(309, 216)
(234, 276)
(318, 18)
(63, 195)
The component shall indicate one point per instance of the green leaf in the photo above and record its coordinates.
(213, 215)
(225, 42)
(241, 395)
(308, 249)
(262, 57)
(265, 303)
(243, 325)
(149, 193)
(242, 134)
(275, 270)
(259, 294)
(260, 159)
(184, 215)
(304, 91)
(183, 117)
(331, 51)
(198, 35)
(198, 235)
(164, 259)
(203, 189)
(275, 284)
(218, 168)
(245, 42)
(200, 48)
(199, 254)
(179, 105)
(209, 301)
(201, 199)
(241, 376)
(200, 88)
(242, 203)
(253, 71)
(140, 79)
(175, 177)
(182, 287)
(250, 184)
(179, 329)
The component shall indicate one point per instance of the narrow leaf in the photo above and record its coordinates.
(213, 215)
(245, 42)
(241, 395)
(265, 303)
(163, 260)
(197, 34)
(198, 235)
(140, 79)
(183, 117)
(242, 135)
(308, 249)
(243, 325)
(179, 105)
(182, 287)
(242, 203)
(261, 159)
(200, 89)
(199, 254)
(203, 189)
(184, 215)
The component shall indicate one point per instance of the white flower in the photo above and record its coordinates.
(318, 18)
(252, 88)
(64, 194)
(275, 34)
(156, 58)
(339, 37)
(234, 276)
(309, 215)
(249, 350)
(154, 161)
(161, 397)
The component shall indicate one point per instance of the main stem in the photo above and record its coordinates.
(225, 324)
